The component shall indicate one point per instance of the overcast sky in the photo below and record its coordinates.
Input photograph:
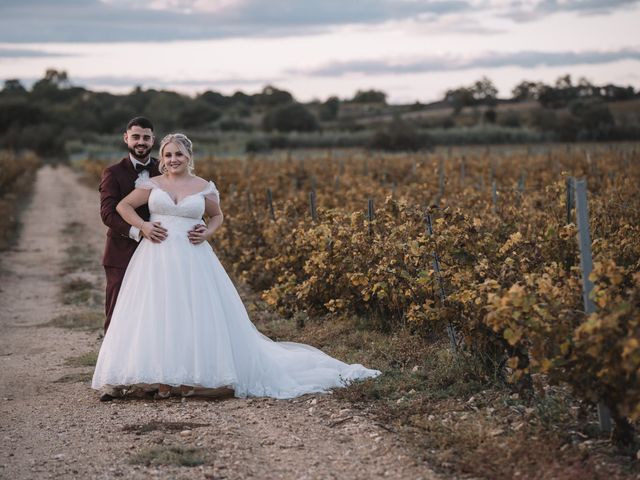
(411, 49)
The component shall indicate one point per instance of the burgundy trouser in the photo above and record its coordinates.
(114, 280)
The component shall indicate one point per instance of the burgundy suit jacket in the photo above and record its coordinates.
(117, 182)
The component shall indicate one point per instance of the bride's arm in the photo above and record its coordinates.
(127, 210)
(201, 233)
(212, 209)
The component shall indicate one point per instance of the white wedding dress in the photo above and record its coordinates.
(179, 320)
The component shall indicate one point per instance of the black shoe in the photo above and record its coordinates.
(105, 397)
(108, 393)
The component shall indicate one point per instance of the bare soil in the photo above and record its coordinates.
(53, 426)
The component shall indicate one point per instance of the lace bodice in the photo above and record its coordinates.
(191, 206)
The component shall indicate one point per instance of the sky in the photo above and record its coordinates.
(414, 50)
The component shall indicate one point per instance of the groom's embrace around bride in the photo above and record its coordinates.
(116, 183)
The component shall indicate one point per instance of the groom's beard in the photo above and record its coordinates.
(143, 156)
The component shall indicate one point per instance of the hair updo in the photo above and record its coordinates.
(183, 144)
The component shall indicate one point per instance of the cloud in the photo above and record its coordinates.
(527, 11)
(35, 21)
(524, 59)
(202, 84)
(26, 53)
(157, 20)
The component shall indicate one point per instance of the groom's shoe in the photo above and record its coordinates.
(107, 394)
(106, 397)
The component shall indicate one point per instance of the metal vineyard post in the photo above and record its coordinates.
(272, 213)
(586, 264)
(436, 267)
(312, 206)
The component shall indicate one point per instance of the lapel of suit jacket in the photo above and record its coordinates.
(127, 166)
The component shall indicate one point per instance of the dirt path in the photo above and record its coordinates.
(53, 426)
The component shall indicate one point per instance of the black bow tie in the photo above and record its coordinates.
(140, 167)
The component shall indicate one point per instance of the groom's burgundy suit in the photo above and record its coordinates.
(117, 182)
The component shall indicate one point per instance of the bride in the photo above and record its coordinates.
(179, 321)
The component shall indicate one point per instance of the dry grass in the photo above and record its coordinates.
(492, 434)
(170, 455)
(9, 223)
(79, 257)
(78, 291)
(154, 426)
(84, 320)
(82, 377)
(88, 359)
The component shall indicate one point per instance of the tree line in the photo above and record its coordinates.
(53, 111)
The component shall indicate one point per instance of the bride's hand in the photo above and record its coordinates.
(198, 234)
(153, 231)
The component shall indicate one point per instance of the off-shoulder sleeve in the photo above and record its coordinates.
(145, 183)
(211, 192)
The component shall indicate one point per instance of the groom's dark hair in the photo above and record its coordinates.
(142, 122)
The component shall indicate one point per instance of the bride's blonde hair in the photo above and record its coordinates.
(183, 144)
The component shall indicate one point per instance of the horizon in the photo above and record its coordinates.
(348, 98)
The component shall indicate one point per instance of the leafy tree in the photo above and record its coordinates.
(111, 120)
(199, 114)
(55, 77)
(290, 118)
(272, 97)
(216, 99)
(242, 98)
(370, 96)
(13, 86)
(51, 87)
(19, 113)
(459, 98)
(615, 93)
(564, 82)
(555, 98)
(165, 109)
(484, 91)
(527, 91)
(398, 136)
(591, 113)
(560, 95)
(586, 89)
(329, 109)
(138, 99)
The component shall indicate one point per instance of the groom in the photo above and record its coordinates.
(117, 182)
(122, 239)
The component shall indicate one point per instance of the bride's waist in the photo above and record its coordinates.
(174, 222)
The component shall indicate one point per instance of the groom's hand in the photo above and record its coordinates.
(198, 234)
(154, 231)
